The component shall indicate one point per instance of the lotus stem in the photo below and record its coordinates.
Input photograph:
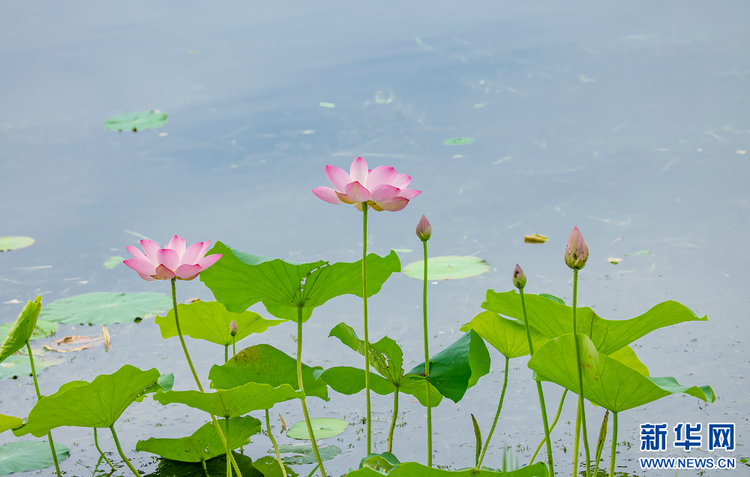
(203, 463)
(552, 427)
(234, 351)
(367, 333)
(539, 389)
(122, 454)
(614, 446)
(226, 353)
(577, 440)
(580, 376)
(96, 443)
(426, 358)
(497, 414)
(393, 420)
(273, 441)
(38, 397)
(229, 452)
(195, 376)
(302, 388)
(600, 442)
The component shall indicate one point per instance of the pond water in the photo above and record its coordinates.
(629, 121)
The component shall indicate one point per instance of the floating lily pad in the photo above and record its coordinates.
(24, 456)
(112, 262)
(304, 454)
(459, 141)
(323, 427)
(138, 121)
(9, 422)
(43, 329)
(21, 330)
(327, 105)
(102, 308)
(269, 467)
(18, 365)
(451, 267)
(14, 243)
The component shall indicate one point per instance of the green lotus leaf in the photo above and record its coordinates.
(458, 141)
(506, 336)
(323, 427)
(19, 365)
(233, 402)
(22, 329)
(96, 404)
(210, 320)
(163, 384)
(606, 382)
(265, 364)
(214, 467)
(458, 367)
(43, 329)
(104, 308)
(24, 456)
(113, 261)
(240, 280)
(9, 422)
(304, 454)
(205, 443)
(553, 319)
(14, 243)
(385, 355)
(414, 469)
(627, 356)
(346, 380)
(137, 121)
(384, 462)
(448, 268)
(269, 467)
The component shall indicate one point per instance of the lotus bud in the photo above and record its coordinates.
(576, 251)
(519, 278)
(233, 328)
(424, 229)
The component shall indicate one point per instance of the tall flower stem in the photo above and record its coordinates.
(393, 420)
(273, 441)
(226, 353)
(96, 443)
(39, 396)
(367, 333)
(581, 408)
(426, 358)
(614, 446)
(229, 451)
(551, 427)
(122, 454)
(302, 388)
(497, 414)
(195, 376)
(539, 390)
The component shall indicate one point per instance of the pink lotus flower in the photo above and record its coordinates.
(424, 229)
(519, 277)
(174, 261)
(576, 250)
(382, 188)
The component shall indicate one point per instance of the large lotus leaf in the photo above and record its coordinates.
(385, 355)
(233, 402)
(305, 454)
(29, 455)
(506, 336)
(22, 329)
(448, 268)
(458, 367)
(42, 329)
(346, 380)
(104, 308)
(606, 382)
(265, 364)
(210, 320)
(19, 365)
(414, 469)
(553, 319)
(9, 422)
(205, 443)
(96, 404)
(269, 467)
(240, 280)
(214, 467)
(627, 356)
(137, 121)
(14, 243)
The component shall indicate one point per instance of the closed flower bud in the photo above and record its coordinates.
(233, 328)
(576, 251)
(424, 229)
(519, 278)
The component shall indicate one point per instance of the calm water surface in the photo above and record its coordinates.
(629, 121)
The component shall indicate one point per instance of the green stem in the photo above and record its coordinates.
(38, 397)
(539, 390)
(226, 353)
(273, 441)
(600, 443)
(577, 439)
(393, 420)
(497, 414)
(229, 452)
(426, 358)
(122, 454)
(552, 427)
(580, 375)
(195, 376)
(234, 351)
(205, 470)
(96, 443)
(367, 334)
(302, 388)
(614, 446)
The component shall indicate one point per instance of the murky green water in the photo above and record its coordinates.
(629, 121)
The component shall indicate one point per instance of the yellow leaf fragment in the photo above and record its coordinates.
(614, 260)
(535, 238)
(107, 341)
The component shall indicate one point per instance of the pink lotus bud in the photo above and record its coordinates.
(576, 252)
(233, 328)
(519, 278)
(424, 229)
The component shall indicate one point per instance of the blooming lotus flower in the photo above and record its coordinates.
(424, 229)
(173, 261)
(576, 251)
(382, 188)
(519, 277)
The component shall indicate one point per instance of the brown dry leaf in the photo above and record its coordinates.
(283, 423)
(48, 348)
(107, 341)
(535, 238)
(64, 345)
